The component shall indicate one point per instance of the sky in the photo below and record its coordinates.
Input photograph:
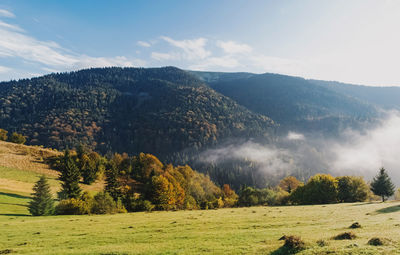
(354, 41)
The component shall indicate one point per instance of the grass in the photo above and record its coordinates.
(226, 231)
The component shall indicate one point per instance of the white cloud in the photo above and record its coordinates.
(231, 47)
(295, 136)
(193, 49)
(7, 14)
(4, 69)
(144, 44)
(14, 42)
(215, 62)
(163, 56)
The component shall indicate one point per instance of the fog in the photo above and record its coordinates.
(355, 152)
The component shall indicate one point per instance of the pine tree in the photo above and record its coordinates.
(69, 177)
(42, 202)
(112, 184)
(381, 185)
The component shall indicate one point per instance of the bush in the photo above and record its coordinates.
(375, 241)
(320, 189)
(140, 205)
(17, 138)
(345, 236)
(72, 206)
(352, 189)
(3, 135)
(293, 244)
(355, 225)
(103, 203)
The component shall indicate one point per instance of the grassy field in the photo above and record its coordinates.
(254, 230)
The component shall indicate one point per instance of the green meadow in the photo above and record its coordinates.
(252, 230)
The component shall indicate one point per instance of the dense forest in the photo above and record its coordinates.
(177, 114)
(295, 103)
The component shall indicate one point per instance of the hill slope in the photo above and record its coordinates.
(295, 103)
(156, 110)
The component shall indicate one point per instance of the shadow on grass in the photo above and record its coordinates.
(14, 195)
(389, 209)
(14, 215)
(283, 251)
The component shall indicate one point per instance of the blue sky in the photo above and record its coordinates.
(351, 41)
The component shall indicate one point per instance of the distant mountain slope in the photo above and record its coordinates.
(294, 102)
(385, 97)
(156, 110)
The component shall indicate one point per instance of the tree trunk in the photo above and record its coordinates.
(383, 198)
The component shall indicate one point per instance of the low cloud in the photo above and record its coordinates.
(356, 152)
(193, 48)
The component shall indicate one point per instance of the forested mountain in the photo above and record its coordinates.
(296, 103)
(155, 110)
(385, 97)
(178, 114)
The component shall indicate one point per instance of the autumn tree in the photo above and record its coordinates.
(163, 194)
(69, 177)
(3, 135)
(382, 185)
(17, 138)
(289, 183)
(42, 202)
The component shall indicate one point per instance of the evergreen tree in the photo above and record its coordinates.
(69, 177)
(42, 202)
(381, 185)
(112, 184)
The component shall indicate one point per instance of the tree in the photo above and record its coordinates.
(17, 138)
(381, 185)
(42, 202)
(289, 183)
(69, 177)
(3, 135)
(320, 189)
(352, 189)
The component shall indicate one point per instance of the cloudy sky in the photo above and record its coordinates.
(354, 41)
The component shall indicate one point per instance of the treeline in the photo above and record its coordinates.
(319, 189)
(134, 183)
(14, 137)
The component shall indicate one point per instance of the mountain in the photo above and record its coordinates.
(384, 97)
(155, 110)
(295, 103)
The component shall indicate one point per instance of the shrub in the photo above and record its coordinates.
(140, 205)
(355, 225)
(3, 135)
(352, 189)
(293, 244)
(72, 206)
(345, 236)
(320, 189)
(103, 203)
(375, 241)
(17, 138)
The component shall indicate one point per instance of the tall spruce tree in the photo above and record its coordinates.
(42, 202)
(381, 185)
(69, 177)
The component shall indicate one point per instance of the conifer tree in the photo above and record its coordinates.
(381, 185)
(69, 177)
(42, 202)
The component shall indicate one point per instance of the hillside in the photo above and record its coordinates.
(156, 110)
(21, 166)
(296, 103)
(385, 97)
